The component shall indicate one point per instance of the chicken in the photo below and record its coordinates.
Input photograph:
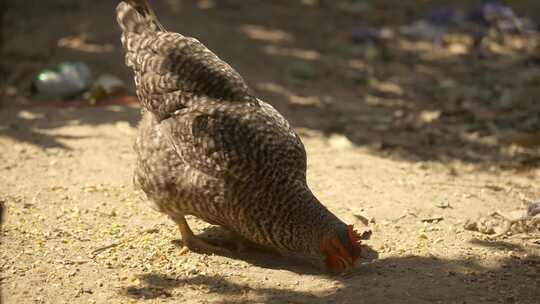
(208, 147)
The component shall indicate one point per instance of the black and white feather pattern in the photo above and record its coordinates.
(172, 70)
(207, 147)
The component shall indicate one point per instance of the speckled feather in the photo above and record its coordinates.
(207, 147)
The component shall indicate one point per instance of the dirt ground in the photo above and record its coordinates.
(418, 137)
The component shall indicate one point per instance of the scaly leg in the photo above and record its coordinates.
(191, 242)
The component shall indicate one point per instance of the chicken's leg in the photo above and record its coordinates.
(191, 242)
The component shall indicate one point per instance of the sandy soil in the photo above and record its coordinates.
(402, 135)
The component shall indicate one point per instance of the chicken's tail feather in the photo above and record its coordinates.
(172, 71)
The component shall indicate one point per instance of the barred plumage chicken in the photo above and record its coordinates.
(208, 147)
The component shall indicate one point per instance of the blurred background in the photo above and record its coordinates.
(420, 117)
(418, 80)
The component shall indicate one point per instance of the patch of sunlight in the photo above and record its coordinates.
(116, 108)
(306, 100)
(456, 45)
(386, 87)
(27, 115)
(206, 4)
(358, 64)
(520, 43)
(416, 46)
(73, 122)
(429, 116)
(385, 102)
(512, 150)
(306, 132)
(338, 141)
(458, 49)
(261, 33)
(475, 137)
(292, 52)
(499, 49)
(292, 97)
(442, 54)
(274, 88)
(80, 43)
(459, 44)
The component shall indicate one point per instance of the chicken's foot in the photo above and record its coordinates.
(193, 243)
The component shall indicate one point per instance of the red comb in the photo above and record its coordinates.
(354, 237)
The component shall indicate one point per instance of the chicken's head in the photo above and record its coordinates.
(341, 250)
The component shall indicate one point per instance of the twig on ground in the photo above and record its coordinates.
(432, 219)
(119, 242)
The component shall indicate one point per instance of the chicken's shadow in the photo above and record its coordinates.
(263, 258)
(408, 279)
